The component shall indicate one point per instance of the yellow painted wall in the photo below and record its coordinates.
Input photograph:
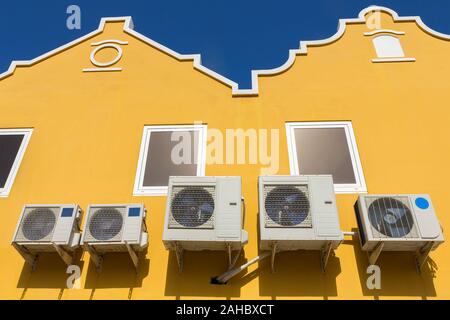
(88, 130)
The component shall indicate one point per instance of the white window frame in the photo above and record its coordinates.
(139, 188)
(4, 192)
(360, 185)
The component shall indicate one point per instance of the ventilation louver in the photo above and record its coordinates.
(38, 224)
(287, 206)
(391, 217)
(192, 207)
(105, 224)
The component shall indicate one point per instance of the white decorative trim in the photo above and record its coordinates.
(4, 192)
(381, 60)
(109, 41)
(101, 69)
(196, 58)
(139, 189)
(360, 185)
(104, 66)
(372, 33)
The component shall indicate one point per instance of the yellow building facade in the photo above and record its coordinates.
(87, 113)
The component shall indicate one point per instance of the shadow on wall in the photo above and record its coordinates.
(199, 268)
(117, 272)
(50, 273)
(398, 274)
(298, 273)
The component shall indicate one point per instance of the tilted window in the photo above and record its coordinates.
(326, 148)
(388, 47)
(13, 143)
(169, 151)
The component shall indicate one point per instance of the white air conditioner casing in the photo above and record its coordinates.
(400, 222)
(110, 227)
(41, 227)
(298, 213)
(204, 213)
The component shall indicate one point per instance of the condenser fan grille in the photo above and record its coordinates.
(192, 207)
(38, 224)
(105, 224)
(391, 217)
(287, 206)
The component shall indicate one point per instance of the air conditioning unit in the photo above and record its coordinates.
(204, 213)
(398, 223)
(115, 228)
(298, 213)
(47, 228)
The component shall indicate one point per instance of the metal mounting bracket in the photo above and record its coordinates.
(235, 259)
(422, 255)
(133, 255)
(325, 254)
(96, 258)
(273, 253)
(179, 253)
(29, 258)
(373, 256)
(65, 256)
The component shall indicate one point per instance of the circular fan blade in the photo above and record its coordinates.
(287, 206)
(192, 207)
(105, 224)
(390, 217)
(38, 224)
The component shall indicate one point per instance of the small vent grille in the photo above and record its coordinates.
(391, 217)
(38, 224)
(192, 207)
(105, 224)
(287, 206)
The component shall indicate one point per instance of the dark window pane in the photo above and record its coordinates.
(324, 151)
(9, 147)
(159, 165)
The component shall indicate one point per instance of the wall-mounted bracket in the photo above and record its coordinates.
(235, 259)
(133, 255)
(422, 255)
(29, 258)
(373, 256)
(179, 253)
(325, 255)
(273, 254)
(65, 256)
(96, 258)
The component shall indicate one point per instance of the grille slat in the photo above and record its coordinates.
(287, 206)
(391, 217)
(105, 224)
(38, 224)
(192, 207)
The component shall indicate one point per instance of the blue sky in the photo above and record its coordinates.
(233, 36)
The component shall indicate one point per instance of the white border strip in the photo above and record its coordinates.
(196, 58)
(139, 188)
(4, 192)
(360, 185)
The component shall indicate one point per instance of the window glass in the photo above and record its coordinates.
(326, 148)
(160, 165)
(324, 151)
(9, 148)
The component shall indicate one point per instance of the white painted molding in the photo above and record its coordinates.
(196, 58)
(6, 189)
(106, 66)
(381, 60)
(372, 33)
